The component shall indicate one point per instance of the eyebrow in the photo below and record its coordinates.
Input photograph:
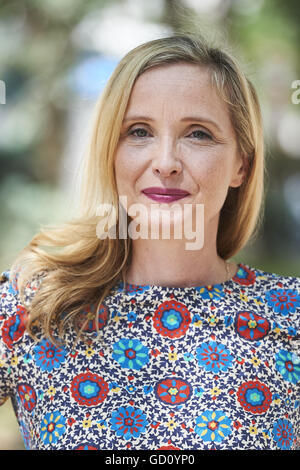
(187, 118)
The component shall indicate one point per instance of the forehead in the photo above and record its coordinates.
(179, 88)
(182, 73)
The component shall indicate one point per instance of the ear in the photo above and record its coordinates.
(241, 171)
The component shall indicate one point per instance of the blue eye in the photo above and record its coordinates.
(138, 132)
(198, 134)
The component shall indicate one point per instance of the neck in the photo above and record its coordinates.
(169, 263)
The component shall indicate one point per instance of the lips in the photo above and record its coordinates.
(165, 195)
(165, 191)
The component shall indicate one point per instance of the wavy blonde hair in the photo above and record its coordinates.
(83, 268)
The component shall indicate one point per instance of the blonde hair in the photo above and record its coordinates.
(84, 267)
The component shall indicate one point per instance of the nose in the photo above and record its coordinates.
(166, 160)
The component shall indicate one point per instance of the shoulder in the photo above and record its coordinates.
(9, 284)
(13, 307)
(267, 281)
(8, 295)
(277, 296)
(12, 313)
(261, 280)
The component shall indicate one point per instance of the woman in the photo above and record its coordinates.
(151, 342)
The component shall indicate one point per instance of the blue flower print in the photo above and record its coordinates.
(283, 301)
(113, 385)
(131, 316)
(53, 426)
(115, 315)
(213, 426)
(130, 353)
(171, 319)
(215, 292)
(292, 331)
(197, 318)
(102, 423)
(27, 358)
(147, 389)
(198, 391)
(288, 364)
(48, 356)
(188, 357)
(128, 422)
(283, 434)
(228, 320)
(214, 357)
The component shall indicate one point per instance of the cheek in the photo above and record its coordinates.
(209, 173)
(126, 171)
(121, 165)
(212, 178)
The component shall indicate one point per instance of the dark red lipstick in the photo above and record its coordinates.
(165, 194)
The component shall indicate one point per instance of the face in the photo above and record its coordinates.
(177, 133)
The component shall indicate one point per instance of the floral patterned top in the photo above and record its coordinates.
(208, 367)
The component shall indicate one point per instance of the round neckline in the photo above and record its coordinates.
(131, 286)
